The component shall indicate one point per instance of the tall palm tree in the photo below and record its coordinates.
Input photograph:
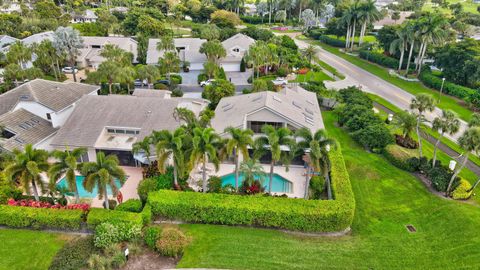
(205, 143)
(446, 124)
(238, 143)
(315, 144)
(405, 121)
(346, 20)
(148, 72)
(169, 63)
(411, 30)
(251, 169)
(166, 43)
(432, 31)
(102, 174)
(143, 146)
(367, 13)
(214, 50)
(271, 142)
(470, 142)
(27, 167)
(309, 53)
(400, 44)
(422, 103)
(19, 53)
(67, 164)
(170, 145)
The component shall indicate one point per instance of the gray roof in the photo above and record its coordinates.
(138, 92)
(190, 54)
(239, 41)
(295, 105)
(37, 38)
(27, 127)
(53, 95)
(93, 113)
(88, 52)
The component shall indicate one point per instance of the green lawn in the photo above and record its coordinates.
(446, 102)
(468, 6)
(24, 249)
(366, 38)
(387, 199)
(318, 76)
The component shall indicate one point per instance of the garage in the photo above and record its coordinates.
(196, 66)
(231, 66)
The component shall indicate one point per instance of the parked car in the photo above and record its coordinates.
(280, 81)
(207, 82)
(166, 82)
(69, 70)
(138, 83)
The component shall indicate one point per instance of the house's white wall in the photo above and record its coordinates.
(59, 118)
(196, 66)
(33, 107)
(45, 144)
(92, 154)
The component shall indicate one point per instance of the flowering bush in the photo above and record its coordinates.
(32, 203)
(303, 71)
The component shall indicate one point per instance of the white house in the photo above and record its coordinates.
(90, 54)
(236, 47)
(5, 41)
(29, 41)
(31, 110)
(88, 16)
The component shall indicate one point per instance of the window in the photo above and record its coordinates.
(49, 116)
(256, 126)
(6, 134)
(123, 131)
(96, 47)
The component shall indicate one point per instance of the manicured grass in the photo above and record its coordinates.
(369, 39)
(313, 76)
(387, 199)
(24, 249)
(468, 6)
(446, 102)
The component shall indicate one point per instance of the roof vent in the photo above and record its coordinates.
(277, 99)
(19, 140)
(257, 98)
(111, 138)
(227, 108)
(24, 97)
(226, 105)
(308, 111)
(309, 121)
(310, 102)
(130, 139)
(296, 104)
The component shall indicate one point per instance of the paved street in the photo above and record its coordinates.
(371, 83)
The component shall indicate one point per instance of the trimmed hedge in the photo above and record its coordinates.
(380, 59)
(100, 215)
(264, 211)
(449, 88)
(132, 205)
(332, 41)
(400, 156)
(74, 254)
(40, 218)
(147, 214)
(462, 192)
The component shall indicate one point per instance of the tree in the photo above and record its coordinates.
(116, 54)
(67, 164)
(214, 50)
(205, 143)
(316, 146)
(367, 14)
(251, 169)
(400, 44)
(225, 19)
(109, 72)
(170, 145)
(421, 103)
(406, 122)
(143, 146)
(166, 43)
(395, 16)
(446, 124)
(309, 53)
(47, 57)
(67, 41)
(210, 32)
(308, 18)
(281, 16)
(169, 63)
(18, 53)
(102, 174)
(217, 90)
(148, 72)
(238, 142)
(271, 142)
(27, 167)
(470, 142)
(475, 120)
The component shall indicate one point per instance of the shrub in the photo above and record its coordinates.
(242, 65)
(132, 205)
(151, 234)
(145, 186)
(39, 218)
(332, 41)
(160, 86)
(107, 234)
(259, 86)
(258, 33)
(202, 77)
(462, 192)
(315, 33)
(147, 214)
(98, 216)
(74, 254)
(172, 242)
(317, 186)
(176, 78)
(440, 176)
(215, 184)
(177, 92)
(449, 88)
(282, 72)
(379, 58)
(374, 137)
(400, 156)
(265, 211)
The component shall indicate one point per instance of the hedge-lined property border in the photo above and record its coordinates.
(40, 218)
(264, 211)
(432, 81)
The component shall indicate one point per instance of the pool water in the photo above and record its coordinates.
(82, 192)
(279, 184)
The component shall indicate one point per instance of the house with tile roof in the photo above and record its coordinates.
(89, 55)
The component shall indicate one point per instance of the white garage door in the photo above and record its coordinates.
(231, 66)
(196, 66)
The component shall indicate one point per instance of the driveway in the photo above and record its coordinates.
(239, 78)
(190, 78)
(373, 84)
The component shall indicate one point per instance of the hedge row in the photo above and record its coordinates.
(332, 41)
(264, 211)
(40, 218)
(97, 216)
(383, 60)
(449, 88)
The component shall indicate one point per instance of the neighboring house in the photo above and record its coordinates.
(90, 54)
(5, 41)
(29, 41)
(387, 20)
(11, 8)
(187, 48)
(88, 16)
(32, 112)
(236, 47)
(119, 9)
(112, 124)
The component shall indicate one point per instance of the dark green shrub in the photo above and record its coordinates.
(401, 157)
(354, 96)
(202, 77)
(379, 58)
(131, 205)
(215, 184)
(258, 33)
(440, 176)
(97, 216)
(74, 254)
(220, 74)
(151, 234)
(374, 137)
(145, 186)
(362, 120)
(172, 242)
(40, 218)
(315, 33)
(246, 91)
(282, 72)
(332, 41)
(449, 88)
(242, 65)
(177, 92)
(160, 86)
(317, 186)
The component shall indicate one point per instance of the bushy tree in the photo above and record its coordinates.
(218, 90)
(223, 18)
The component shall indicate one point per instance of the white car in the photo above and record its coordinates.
(69, 70)
(280, 81)
(207, 82)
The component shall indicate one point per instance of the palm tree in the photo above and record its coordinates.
(108, 71)
(205, 143)
(169, 63)
(271, 142)
(143, 146)
(405, 121)
(411, 30)
(446, 124)
(166, 43)
(67, 41)
(475, 120)
(238, 142)
(67, 164)
(251, 169)
(367, 13)
(27, 167)
(431, 31)
(316, 145)
(470, 142)
(170, 145)
(148, 72)
(214, 50)
(309, 53)
(400, 44)
(19, 53)
(102, 174)
(421, 103)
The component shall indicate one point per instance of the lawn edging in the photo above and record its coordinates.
(264, 211)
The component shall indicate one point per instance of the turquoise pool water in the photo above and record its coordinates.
(81, 190)
(279, 184)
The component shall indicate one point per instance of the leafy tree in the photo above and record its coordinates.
(238, 142)
(19, 53)
(387, 35)
(9, 24)
(214, 50)
(170, 145)
(210, 32)
(218, 90)
(67, 41)
(91, 29)
(169, 63)
(406, 122)
(27, 167)
(308, 18)
(67, 165)
(143, 146)
(148, 72)
(205, 144)
(446, 124)
(132, 20)
(421, 103)
(281, 16)
(102, 174)
(210, 68)
(309, 53)
(271, 142)
(46, 9)
(150, 26)
(251, 170)
(109, 72)
(224, 19)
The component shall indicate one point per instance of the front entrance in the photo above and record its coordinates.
(125, 158)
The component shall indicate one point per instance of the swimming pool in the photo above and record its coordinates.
(81, 190)
(279, 184)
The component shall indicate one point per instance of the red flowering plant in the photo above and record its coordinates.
(303, 71)
(253, 188)
(32, 203)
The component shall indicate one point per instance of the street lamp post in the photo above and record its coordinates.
(441, 89)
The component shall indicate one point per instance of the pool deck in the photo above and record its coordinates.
(295, 174)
